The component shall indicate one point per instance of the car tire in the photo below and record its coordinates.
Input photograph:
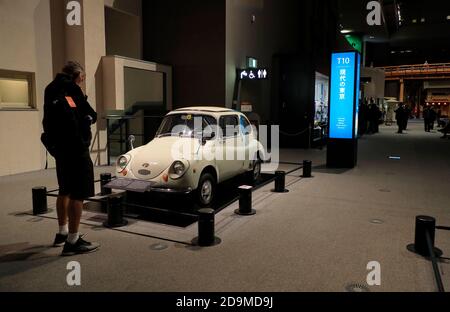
(206, 190)
(254, 175)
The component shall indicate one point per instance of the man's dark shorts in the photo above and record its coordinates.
(75, 176)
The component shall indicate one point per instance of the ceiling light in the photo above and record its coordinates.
(392, 52)
(414, 21)
(372, 37)
(422, 20)
(448, 17)
(408, 51)
(346, 31)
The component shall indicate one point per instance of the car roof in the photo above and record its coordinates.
(206, 109)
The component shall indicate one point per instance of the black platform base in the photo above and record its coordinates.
(437, 251)
(113, 226)
(251, 213)
(275, 191)
(342, 153)
(217, 241)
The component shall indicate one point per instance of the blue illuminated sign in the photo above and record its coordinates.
(344, 95)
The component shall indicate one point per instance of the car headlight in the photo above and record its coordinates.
(122, 162)
(178, 169)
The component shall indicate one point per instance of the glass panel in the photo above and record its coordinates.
(143, 87)
(14, 93)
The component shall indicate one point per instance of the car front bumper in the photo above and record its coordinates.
(141, 186)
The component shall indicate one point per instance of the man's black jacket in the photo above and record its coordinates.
(67, 129)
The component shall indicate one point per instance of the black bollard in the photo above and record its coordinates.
(307, 169)
(245, 201)
(105, 178)
(206, 229)
(424, 224)
(115, 213)
(280, 182)
(39, 200)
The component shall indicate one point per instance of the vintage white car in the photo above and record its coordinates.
(194, 149)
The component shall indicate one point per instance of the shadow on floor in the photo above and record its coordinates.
(27, 213)
(325, 169)
(20, 257)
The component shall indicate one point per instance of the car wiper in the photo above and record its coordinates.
(164, 135)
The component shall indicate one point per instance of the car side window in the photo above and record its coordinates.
(209, 126)
(210, 121)
(245, 126)
(229, 126)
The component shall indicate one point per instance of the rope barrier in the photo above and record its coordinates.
(437, 274)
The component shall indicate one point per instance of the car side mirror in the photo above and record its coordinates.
(131, 140)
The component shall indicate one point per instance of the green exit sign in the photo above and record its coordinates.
(252, 62)
(355, 42)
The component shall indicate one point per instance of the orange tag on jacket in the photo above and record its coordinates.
(71, 102)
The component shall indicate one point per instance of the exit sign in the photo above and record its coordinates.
(252, 62)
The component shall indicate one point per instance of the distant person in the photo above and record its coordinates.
(378, 121)
(67, 136)
(438, 117)
(432, 117)
(370, 127)
(406, 117)
(374, 113)
(363, 114)
(400, 116)
(426, 118)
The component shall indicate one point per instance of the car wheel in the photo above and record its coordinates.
(254, 175)
(206, 190)
(256, 172)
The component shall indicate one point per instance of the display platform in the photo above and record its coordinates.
(177, 209)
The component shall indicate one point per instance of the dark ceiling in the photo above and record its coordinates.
(412, 31)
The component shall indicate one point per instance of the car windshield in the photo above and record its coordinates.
(186, 125)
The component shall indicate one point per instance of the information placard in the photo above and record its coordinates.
(343, 95)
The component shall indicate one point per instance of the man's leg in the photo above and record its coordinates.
(62, 202)
(75, 244)
(62, 207)
(82, 186)
(75, 211)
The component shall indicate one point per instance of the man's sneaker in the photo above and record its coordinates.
(60, 239)
(80, 247)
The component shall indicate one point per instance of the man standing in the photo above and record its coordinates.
(67, 136)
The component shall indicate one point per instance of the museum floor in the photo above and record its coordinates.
(318, 237)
